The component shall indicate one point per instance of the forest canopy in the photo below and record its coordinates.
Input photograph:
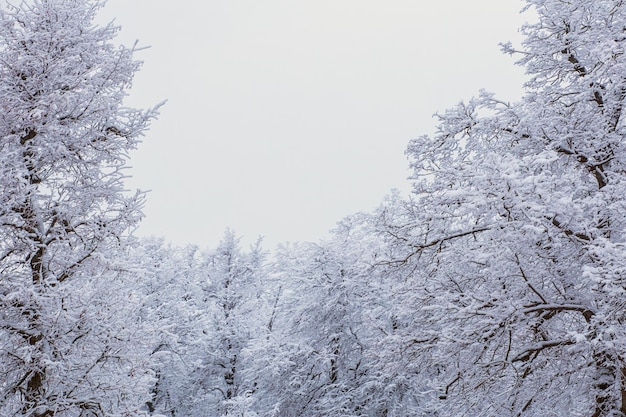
(496, 288)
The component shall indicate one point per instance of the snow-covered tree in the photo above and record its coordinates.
(517, 243)
(233, 287)
(173, 299)
(208, 305)
(309, 361)
(67, 335)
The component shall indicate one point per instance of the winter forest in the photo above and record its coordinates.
(497, 289)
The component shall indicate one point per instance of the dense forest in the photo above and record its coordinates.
(497, 289)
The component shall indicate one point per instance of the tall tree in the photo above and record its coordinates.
(209, 304)
(517, 242)
(310, 359)
(64, 143)
(233, 287)
(175, 300)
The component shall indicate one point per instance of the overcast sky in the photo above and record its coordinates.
(284, 116)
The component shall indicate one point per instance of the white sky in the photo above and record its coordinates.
(284, 116)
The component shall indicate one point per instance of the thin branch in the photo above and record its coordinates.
(419, 248)
(525, 278)
(539, 347)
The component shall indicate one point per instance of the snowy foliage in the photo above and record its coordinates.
(497, 288)
(208, 305)
(67, 346)
(519, 234)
